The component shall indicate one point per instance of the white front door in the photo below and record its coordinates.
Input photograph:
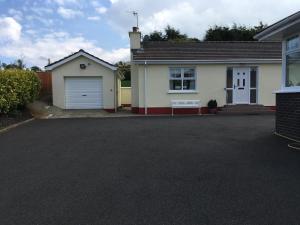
(241, 86)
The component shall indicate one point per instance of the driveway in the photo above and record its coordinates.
(148, 170)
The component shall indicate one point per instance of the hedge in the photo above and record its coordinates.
(17, 88)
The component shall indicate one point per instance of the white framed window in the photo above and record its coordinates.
(182, 79)
(292, 63)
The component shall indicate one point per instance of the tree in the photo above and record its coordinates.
(169, 34)
(124, 73)
(233, 33)
(18, 64)
(35, 69)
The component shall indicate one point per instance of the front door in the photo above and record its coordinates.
(241, 85)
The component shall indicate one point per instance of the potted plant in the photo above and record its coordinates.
(212, 106)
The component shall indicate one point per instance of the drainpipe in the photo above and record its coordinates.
(145, 88)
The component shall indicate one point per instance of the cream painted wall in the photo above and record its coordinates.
(210, 84)
(269, 81)
(71, 69)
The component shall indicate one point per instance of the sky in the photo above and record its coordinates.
(38, 30)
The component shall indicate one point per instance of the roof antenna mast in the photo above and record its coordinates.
(135, 13)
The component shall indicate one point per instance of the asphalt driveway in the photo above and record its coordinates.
(157, 170)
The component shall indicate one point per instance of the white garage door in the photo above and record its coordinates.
(83, 93)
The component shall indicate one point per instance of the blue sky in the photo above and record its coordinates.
(36, 30)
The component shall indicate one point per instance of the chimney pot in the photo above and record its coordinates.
(135, 29)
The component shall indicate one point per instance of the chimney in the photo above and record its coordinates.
(135, 38)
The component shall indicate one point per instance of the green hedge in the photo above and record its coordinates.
(17, 88)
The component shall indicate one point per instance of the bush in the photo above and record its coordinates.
(17, 88)
(212, 104)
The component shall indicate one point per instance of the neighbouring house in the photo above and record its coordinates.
(288, 96)
(83, 81)
(231, 72)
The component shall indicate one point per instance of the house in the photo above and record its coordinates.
(288, 96)
(83, 81)
(230, 72)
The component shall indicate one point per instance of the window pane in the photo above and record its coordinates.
(253, 76)
(229, 78)
(229, 97)
(175, 85)
(292, 43)
(189, 85)
(189, 73)
(293, 70)
(253, 96)
(175, 73)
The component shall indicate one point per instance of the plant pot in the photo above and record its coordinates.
(213, 110)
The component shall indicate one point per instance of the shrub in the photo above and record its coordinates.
(212, 104)
(17, 88)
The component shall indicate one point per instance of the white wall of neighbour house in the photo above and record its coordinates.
(210, 84)
(93, 69)
(134, 85)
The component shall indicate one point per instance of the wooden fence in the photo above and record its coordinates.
(46, 89)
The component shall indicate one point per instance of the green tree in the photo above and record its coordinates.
(124, 73)
(169, 34)
(233, 33)
(35, 69)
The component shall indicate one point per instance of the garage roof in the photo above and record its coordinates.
(75, 55)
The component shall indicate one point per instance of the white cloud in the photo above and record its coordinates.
(10, 29)
(64, 2)
(57, 45)
(101, 10)
(194, 17)
(68, 13)
(94, 18)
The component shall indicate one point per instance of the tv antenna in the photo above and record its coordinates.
(135, 13)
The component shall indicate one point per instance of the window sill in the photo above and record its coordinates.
(287, 90)
(182, 92)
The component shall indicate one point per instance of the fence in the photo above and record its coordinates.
(126, 96)
(46, 88)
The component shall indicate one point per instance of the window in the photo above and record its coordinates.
(229, 83)
(292, 63)
(182, 79)
(292, 44)
(293, 70)
(253, 85)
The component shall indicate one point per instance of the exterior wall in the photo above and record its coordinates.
(269, 81)
(210, 84)
(134, 85)
(125, 96)
(71, 69)
(288, 115)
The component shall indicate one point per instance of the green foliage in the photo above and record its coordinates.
(125, 83)
(212, 104)
(35, 69)
(123, 70)
(18, 64)
(233, 33)
(17, 88)
(170, 34)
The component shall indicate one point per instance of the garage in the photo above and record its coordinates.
(83, 93)
(84, 81)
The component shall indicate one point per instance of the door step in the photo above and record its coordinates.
(245, 110)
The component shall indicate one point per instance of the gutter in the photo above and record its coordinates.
(190, 62)
(145, 88)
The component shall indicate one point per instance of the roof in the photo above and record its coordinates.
(208, 52)
(75, 55)
(278, 29)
